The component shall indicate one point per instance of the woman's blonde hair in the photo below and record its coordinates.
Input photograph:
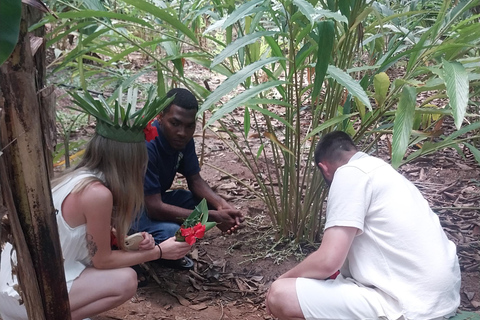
(122, 166)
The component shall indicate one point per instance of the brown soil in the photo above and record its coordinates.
(228, 282)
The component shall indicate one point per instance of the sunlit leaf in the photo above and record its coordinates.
(241, 99)
(163, 15)
(242, 11)
(102, 14)
(350, 84)
(205, 62)
(306, 8)
(381, 83)
(241, 42)
(331, 15)
(233, 81)
(403, 123)
(329, 123)
(456, 81)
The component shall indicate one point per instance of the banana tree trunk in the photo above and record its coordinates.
(25, 186)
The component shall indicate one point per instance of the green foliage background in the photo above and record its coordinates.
(329, 60)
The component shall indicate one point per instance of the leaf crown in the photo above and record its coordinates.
(117, 119)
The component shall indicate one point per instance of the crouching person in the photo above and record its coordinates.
(394, 258)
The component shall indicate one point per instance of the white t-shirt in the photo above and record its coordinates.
(401, 248)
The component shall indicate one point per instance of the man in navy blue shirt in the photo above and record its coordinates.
(171, 152)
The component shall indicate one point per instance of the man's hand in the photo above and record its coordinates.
(228, 220)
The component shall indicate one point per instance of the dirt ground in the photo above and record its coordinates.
(232, 273)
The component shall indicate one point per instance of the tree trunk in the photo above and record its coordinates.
(25, 184)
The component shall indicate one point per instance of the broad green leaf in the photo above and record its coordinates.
(403, 123)
(173, 51)
(331, 15)
(360, 17)
(381, 83)
(246, 121)
(131, 49)
(209, 225)
(431, 147)
(163, 15)
(276, 51)
(233, 81)
(329, 123)
(350, 84)
(10, 16)
(252, 104)
(161, 84)
(66, 32)
(205, 62)
(270, 101)
(241, 42)
(456, 81)
(242, 11)
(259, 152)
(102, 14)
(326, 37)
(241, 99)
(215, 26)
(360, 108)
(471, 127)
(306, 8)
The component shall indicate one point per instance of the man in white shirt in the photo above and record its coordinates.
(394, 258)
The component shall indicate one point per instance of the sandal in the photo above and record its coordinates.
(141, 275)
(184, 263)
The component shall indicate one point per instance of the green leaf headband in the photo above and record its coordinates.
(117, 121)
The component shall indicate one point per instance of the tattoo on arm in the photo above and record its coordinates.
(91, 245)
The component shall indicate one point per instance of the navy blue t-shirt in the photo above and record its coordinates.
(164, 162)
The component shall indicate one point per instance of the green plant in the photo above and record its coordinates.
(438, 64)
(68, 122)
(289, 182)
(303, 59)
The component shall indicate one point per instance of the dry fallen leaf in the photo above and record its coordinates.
(469, 294)
(198, 307)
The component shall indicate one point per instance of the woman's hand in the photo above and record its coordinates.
(148, 243)
(173, 250)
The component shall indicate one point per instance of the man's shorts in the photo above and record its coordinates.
(343, 298)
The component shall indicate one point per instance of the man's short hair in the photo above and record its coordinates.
(183, 98)
(332, 145)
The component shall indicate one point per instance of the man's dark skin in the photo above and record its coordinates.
(178, 126)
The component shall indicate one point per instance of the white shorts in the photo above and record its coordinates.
(343, 298)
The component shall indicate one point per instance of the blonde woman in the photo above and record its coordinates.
(104, 191)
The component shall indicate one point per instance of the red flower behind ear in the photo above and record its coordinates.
(150, 132)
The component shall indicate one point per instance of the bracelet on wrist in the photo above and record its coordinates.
(159, 248)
